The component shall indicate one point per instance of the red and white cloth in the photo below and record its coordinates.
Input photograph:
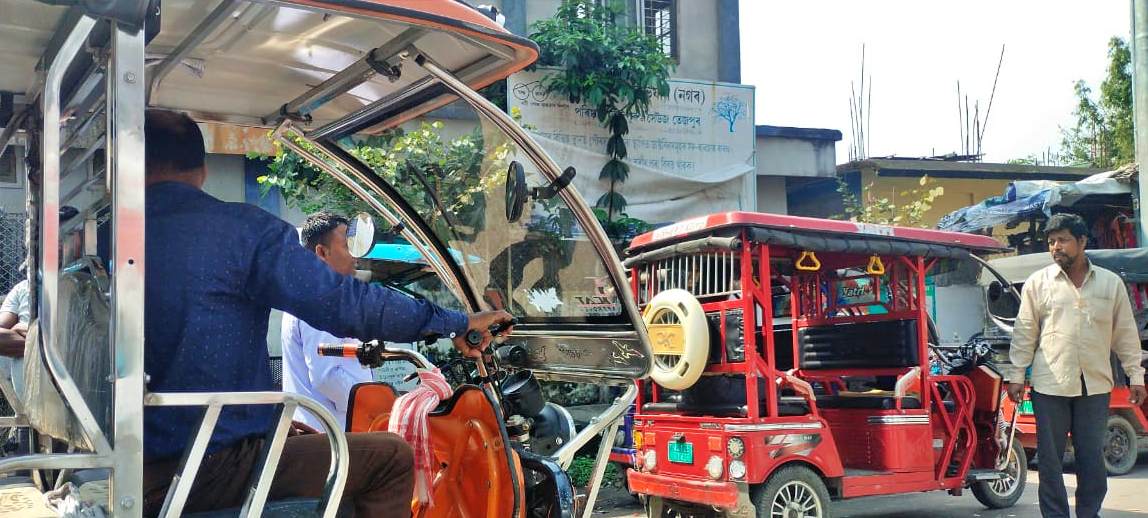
(409, 421)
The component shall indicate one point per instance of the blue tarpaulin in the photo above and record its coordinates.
(1026, 199)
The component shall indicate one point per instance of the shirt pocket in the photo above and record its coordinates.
(1100, 311)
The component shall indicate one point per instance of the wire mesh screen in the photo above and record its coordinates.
(11, 250)
(277, 371)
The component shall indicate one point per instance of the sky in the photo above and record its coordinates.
(801, 56)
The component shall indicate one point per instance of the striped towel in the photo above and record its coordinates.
(409, 421)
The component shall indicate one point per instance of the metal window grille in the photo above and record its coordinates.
(12, 252)
(710, 274)
(660, 20)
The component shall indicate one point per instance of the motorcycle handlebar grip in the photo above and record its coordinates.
(474, 337)
(339, 350)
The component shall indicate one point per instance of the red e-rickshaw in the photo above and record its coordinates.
(791, 368)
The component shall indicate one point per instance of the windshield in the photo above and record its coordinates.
(453, 174)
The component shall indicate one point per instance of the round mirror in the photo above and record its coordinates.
(515, 191)
(361, 234)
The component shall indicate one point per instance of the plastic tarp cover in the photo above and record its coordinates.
(1025, 199)
(83, 345)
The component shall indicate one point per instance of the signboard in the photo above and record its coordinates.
(688, 156)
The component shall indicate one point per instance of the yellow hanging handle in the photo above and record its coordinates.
(808, 262)
(876, 267)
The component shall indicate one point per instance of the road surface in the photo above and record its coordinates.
(1127, 498)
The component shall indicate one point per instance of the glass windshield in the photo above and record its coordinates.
(454, 175)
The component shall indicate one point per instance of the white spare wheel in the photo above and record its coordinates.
(679, 338)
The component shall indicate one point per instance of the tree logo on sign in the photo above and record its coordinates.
(730, 109)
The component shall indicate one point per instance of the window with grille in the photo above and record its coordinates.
(660, 20)
(8, 174)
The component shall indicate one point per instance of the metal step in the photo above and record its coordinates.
(977, 475)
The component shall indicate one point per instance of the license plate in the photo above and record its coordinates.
(681, 452)
(1025, 407)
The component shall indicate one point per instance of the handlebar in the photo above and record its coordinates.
(339, 350)
(474, 336)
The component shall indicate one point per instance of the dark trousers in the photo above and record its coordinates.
(1086, 417)
(380, 481)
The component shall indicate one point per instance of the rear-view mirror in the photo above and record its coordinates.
(361, 235)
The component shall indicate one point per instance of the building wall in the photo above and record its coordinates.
(771, 196)
(778, 156)
(697, 54)
(959, 193)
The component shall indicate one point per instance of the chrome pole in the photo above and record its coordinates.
(1140, 107)
(125, 133)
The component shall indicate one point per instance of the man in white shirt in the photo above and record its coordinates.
(14, 316)
(327, 380)
(1073, 316)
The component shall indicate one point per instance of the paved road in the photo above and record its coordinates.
(1127, 498)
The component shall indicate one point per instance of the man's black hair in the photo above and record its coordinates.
(318, 227)
(1064, 221)
(173, 143)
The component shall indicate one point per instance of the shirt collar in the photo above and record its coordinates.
(1088, 275)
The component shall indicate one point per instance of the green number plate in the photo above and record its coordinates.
(1026, 407)
(681, 452)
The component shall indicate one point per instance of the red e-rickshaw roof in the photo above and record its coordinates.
(781, 224)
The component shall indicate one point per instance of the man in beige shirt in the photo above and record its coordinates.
(1073, 317)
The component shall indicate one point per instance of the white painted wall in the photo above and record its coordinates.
(771, 195)
(777, 156)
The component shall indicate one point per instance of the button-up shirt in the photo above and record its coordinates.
(325, 379)
(1067, 334)
(214, 271)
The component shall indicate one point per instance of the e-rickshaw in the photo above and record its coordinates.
(791, 368)
(1127, 433)
(317, 75)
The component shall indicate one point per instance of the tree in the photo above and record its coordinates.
(909, 210)
(441, 180)
(614, 68)
(1102, 135)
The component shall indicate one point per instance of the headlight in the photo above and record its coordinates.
(715, 467)
(737, 470)
(650, 461)
(620, 439)
(735, 447)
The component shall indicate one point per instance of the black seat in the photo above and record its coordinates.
(882, 344)
(868, 402)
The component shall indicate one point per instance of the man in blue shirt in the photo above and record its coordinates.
(322, 378)
(215, 270)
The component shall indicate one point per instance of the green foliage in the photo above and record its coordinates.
(610, 66)
(583, 467)
(440, 179)
(909, 211)
(1102, 135)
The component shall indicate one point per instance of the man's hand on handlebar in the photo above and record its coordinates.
(1016, 392)
(480, 325)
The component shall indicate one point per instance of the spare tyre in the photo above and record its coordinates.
(679, 338)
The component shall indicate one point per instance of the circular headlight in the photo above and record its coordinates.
(737, 470)
(715, 467)
(650, 461)
(620, 439)
(736, 447)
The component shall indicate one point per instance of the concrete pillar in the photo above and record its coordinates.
(729, 42)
